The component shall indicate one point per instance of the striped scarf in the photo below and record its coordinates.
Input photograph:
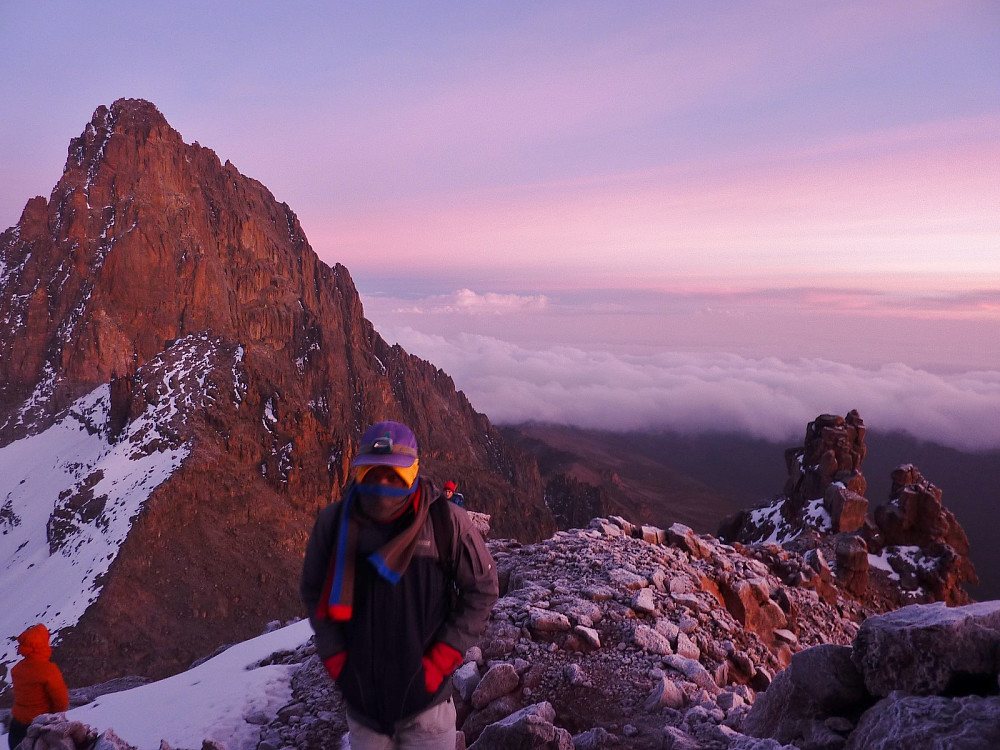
(390, 560)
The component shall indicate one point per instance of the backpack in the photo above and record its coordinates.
(441, 524)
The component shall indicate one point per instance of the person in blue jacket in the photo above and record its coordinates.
(451, 493)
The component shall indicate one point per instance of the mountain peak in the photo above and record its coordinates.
(910, 550)
(133, 111)
(146, 242)
(137, 119)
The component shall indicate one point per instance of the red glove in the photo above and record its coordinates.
(439, 662)
(334, 664)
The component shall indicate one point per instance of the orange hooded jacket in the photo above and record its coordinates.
(39, 687)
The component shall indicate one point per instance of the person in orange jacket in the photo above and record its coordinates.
(39, 687)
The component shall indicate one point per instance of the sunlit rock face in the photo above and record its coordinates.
(911, 549)
(152, 263)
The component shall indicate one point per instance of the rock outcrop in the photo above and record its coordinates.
(922, 676)
(911, 549)
(613, 636)
(621, 636)
(146, 241)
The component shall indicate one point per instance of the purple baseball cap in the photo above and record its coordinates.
(387, 444)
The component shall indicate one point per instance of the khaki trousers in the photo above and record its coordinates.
(434, 729)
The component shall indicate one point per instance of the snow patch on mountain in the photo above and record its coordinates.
(73, 490)
(213, 700)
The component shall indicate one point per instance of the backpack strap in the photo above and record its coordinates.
(439, 512)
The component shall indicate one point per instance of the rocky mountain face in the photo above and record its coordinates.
(624, 636)
(150, 254)
(912, 549)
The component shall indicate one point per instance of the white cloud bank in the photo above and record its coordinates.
(473, 303)
(697, 392)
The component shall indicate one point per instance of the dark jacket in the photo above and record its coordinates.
(393, 625)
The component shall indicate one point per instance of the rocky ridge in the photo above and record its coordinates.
(909, 550)
(620, 636)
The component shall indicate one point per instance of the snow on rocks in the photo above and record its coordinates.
(315, 713)
(909, 550)
(684, 674)
(77, 486)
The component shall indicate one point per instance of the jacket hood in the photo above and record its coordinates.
(35, 642)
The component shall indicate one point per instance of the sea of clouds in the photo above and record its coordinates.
(769, 398)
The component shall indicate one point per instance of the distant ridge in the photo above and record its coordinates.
(736, 471)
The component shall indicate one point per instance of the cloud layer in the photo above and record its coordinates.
(473, 303)
(700, 392)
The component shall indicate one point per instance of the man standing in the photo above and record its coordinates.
(398, 583)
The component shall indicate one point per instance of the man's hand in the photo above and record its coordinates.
(439, 662)
(335, 664)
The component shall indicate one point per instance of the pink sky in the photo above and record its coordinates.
(773, 179)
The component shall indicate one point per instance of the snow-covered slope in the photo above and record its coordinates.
(69, 495)
(210, 701)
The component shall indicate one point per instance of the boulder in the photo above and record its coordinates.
(644, 601)
(821, 682)
(693, 671)
(497, 682)
(847, 509)
(684, 537)
(465, 679)
(530, 728)
(594, 739)
(906, 721)
(749, 604)
(665, 694)
(930, 649)
(56, 732)
(852, 563)
(476, 721)
(649, 640)
(547, 621)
